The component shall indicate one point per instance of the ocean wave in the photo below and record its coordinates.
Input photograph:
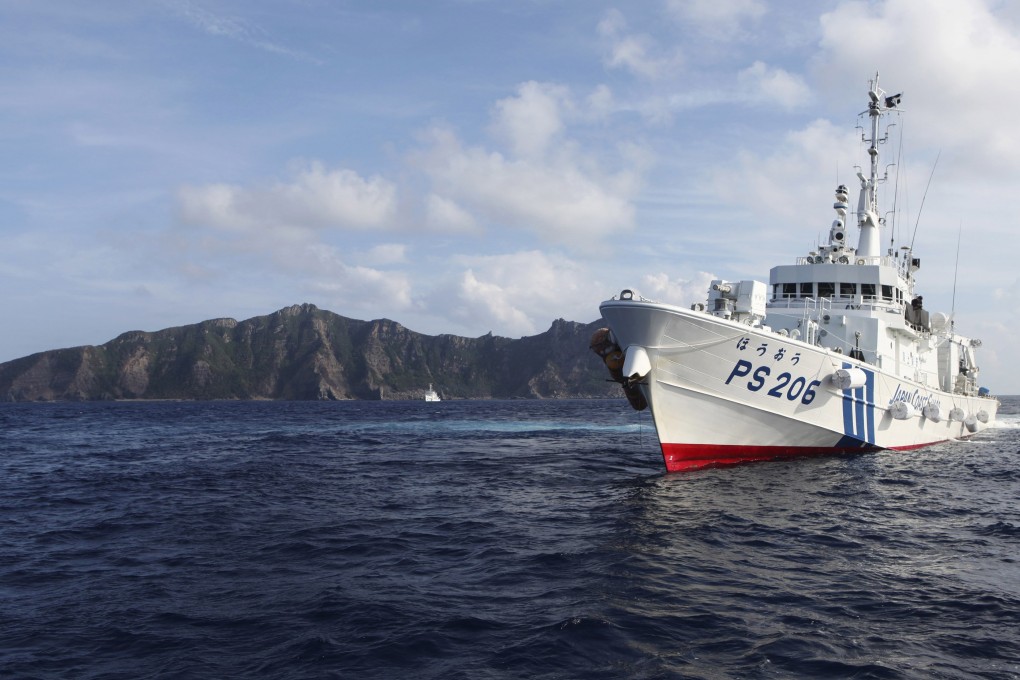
(1007, 422)
(495, 540)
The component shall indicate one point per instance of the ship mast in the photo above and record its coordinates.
(869, 244)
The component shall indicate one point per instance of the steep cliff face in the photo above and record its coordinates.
(302, 352)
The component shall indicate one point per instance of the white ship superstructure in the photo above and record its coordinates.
(835, 353)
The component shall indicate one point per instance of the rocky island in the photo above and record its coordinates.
(306, 353)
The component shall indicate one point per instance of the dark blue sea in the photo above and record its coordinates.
(488, 539)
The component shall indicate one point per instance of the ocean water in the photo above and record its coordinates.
(489, 539)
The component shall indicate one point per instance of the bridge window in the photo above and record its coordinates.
(847, 289)
(807, 290)
(868, 291)
(789, 290)
(826, 289)
(887, 293)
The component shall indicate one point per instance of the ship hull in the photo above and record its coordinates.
(722, 393)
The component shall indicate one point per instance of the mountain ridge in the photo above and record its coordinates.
(302, 352)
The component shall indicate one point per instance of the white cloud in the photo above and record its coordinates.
(600, 103)
(1009, 295)
(371, 292)
(719, 19)
(545, 185)
(520, 293)
(384, 254)
(780, 186)
(368, 290)
(443, 214)
(212, 205)
(562, 201)
(532, 120)
(957, 62)
(315, 199)
(637, 53)
(761, 83)
(278, 231)
(491, 302)
(681, 292)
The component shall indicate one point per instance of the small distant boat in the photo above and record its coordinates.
(835, 354)
(431, 394)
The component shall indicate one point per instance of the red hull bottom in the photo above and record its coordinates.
(681, 457)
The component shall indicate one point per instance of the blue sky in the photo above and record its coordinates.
(467, 166)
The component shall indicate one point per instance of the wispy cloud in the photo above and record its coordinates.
(718, 19)
(636, 52)
(234, 28)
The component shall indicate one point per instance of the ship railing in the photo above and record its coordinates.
(810, 308)
(919, 329)
(903, 267)
(885, 260)
(853, 302)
